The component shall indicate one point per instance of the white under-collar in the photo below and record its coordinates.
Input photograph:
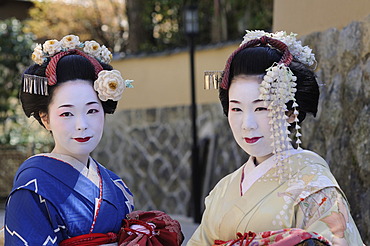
(252, 172)
(91, 173)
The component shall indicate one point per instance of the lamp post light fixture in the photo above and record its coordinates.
(191, 20)
(192, 30)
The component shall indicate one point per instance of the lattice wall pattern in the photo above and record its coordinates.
(151, 151)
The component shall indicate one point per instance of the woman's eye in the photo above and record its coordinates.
(261, 109)
(66, 114)
(92, 111)
(236, 109)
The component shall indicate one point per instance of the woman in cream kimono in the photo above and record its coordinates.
(266, 90)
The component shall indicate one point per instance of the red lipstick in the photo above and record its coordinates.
(252, 140)
(82, 140)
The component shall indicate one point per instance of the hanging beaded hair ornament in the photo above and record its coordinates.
(108, 84)
(277, 86)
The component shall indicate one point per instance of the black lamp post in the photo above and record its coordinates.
(192, 30)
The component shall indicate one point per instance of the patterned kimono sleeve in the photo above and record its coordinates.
(27, 220)
(326, 212)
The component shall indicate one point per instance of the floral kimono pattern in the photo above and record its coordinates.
(253, 199)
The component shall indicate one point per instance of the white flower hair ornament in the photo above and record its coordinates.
(70, 42)
(51, 47)
(109, 84)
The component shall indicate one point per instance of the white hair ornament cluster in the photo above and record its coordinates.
(301, 53)
(278, 88)
(53, 46)
(109, 84)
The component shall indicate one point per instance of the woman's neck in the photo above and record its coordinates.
(84, 159)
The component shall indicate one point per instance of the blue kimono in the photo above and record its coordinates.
(56, 197)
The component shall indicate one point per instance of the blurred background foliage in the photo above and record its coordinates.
(126, 26)
(19, 137)
(15, 47)
(133, 26)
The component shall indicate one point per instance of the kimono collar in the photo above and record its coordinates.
(62, 169)
(90, 173)
(251, 172)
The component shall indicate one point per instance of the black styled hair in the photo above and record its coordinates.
(255, 61)
(70, 67)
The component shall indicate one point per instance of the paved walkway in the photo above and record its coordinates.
(2, 212)
(187, 225)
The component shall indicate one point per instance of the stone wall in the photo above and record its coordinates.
(340, 133)
(151, 149)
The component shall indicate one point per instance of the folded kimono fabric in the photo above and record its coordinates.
(153, 228)
(284, 237)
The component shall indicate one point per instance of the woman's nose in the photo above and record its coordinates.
(81, 123)
(249, 122)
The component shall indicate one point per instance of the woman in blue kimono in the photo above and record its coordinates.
(66, 193)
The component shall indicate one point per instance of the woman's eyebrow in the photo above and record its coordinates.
(66, 106)
(258, 100)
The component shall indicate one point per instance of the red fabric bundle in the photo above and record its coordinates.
(160, 230)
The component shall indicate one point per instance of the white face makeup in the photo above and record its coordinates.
(248, 118)
(76, 119)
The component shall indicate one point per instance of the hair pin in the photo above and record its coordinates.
(34, 84)
(212, 79)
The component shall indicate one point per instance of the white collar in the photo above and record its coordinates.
(90, 173)
(252, 172)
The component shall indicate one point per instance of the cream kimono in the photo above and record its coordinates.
(253, 199)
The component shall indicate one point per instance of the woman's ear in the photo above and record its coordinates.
(291, 116)
(45, 120)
